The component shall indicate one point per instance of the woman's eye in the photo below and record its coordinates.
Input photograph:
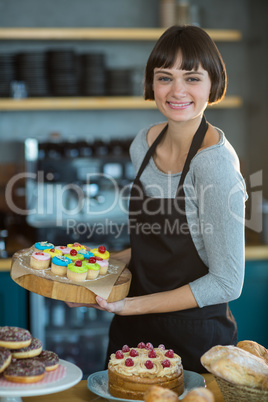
(193, 79)
(165, 79)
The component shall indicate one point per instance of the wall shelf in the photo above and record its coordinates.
(94, 103)
(103, 34)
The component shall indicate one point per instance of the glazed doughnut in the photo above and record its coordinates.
(34, 349)
(49, 359)
(14, 337)
(5, 358)
(25, 371)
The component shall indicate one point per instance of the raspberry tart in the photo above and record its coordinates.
(131, 371)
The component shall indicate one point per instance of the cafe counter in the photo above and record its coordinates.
(80, 393)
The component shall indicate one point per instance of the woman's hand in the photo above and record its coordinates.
(102, 304)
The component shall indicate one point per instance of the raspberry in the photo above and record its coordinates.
(125, 349)
(149, 346)
(141, 345)
(161, 346)
(133, 353)
(119, 354)
(98, 258)
(169, 353)
(129, 362)
(78, 263)
(92, 260)
(166, 363)
(148, 364)
(102, 249)
(152, 354)
(73, 252)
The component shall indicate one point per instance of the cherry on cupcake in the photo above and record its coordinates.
(101, 249)
(92, 260)
(78, 263)
(73, 252)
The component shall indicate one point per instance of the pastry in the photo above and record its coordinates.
(236, 365)
(59, 265)
(25, 371)
(5, 358)
(63, 249)
(131, 371)
(101, 252)
(40, 260)
(76, 246)
(34, 349)
(76, 271)
(254, 348)
(14, 337)
(53, 252)
(49, 359)
(43, 245)
(93, 268)
(104, 264)
(155, 393)
(87, 254)
(74, 255)
(199, 394)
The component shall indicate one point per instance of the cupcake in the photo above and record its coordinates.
(43, 245)
(74, 255)
(53, 252)
(63, 249)
(101, 252)
(93, 268)
(87, 254)
(59, 265)
(76, 246)
(103, 265)
(40, 260)
(76, 271)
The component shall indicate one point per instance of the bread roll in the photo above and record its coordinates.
(254, 348)
(199, 395)
(159, 394)
(236, 366)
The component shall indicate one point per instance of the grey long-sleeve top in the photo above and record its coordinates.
(215, 196)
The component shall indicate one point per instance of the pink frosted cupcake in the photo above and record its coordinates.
(103, 265)
(40, 260)
(63, 249)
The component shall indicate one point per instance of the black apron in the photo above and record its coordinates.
(164, 257)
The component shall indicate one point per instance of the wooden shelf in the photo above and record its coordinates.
(150, 34)
(94, 103)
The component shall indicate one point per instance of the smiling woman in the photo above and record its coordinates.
(186, 210)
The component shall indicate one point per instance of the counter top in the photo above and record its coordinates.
(80, 393)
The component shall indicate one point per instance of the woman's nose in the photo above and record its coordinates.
(179, 88)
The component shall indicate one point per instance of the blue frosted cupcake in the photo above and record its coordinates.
(43, 245)
(59, 265)
(87, 254)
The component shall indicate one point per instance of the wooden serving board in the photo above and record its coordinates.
(70, 292)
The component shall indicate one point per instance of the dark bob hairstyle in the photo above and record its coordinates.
(196, 47)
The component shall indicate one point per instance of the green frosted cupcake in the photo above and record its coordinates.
(76, 271)
(93, 270)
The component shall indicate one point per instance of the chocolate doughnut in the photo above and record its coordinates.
(25, 371)
(5, 358)
(14, 337)
(34, 349)
(50, 359)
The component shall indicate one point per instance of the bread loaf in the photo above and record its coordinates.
(237, 366)
(160, 394)
(199, 395)
(254, 348)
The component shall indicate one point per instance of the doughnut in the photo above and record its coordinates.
(25, 371)
(34, 349)
(14, 337)
(49, 359)
(5, 358)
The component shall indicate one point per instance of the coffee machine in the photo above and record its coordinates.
(79, 191)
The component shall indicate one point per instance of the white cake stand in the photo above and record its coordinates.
(72, 377)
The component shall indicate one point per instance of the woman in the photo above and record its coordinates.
(186, 210)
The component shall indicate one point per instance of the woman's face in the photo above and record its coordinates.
(181, 95)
